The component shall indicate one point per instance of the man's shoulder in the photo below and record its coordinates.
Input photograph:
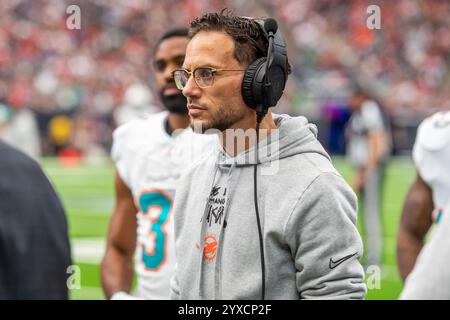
(434, 132)
(18, 170)
(201, 163)
(139, 135)
(312, 171)
(310, 164)
(432, 145)
(141, 126)
(14, 158)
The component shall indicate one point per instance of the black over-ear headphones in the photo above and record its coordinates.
(263, 84)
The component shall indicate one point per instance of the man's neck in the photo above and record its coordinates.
(177, 121)
(242, 135)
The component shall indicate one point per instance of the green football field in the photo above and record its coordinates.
(88, 196)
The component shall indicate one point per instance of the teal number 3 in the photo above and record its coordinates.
(155, 201)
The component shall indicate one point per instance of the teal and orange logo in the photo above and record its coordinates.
(437, 215)
(209, 247)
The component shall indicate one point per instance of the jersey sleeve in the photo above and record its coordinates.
(432, 139)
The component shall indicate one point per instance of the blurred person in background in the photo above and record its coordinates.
(150, 155)
(368, 147)
(18, 128)
(34, 243)
(425, 268)
(5, 117)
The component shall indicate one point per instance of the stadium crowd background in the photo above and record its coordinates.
(79, 84)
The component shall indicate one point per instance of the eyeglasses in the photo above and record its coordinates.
(203, 76)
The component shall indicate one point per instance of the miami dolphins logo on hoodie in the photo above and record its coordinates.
(209, 247)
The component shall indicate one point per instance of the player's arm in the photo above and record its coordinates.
(414, 224)
(117, 265)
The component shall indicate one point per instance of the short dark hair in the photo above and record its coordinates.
(249, 39)
(172, 33)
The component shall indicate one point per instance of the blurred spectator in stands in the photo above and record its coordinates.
(46, 67)
(19, 129)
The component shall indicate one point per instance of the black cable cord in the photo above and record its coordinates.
(261, 241)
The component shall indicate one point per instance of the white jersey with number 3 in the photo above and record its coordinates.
(150, 161)
(431, 156)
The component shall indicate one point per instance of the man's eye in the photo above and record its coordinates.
(160, 65)
(204, 73)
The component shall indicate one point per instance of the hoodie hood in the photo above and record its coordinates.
(294, 135)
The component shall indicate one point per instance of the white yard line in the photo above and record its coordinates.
(88, 250)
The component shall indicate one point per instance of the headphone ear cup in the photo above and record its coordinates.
(251, 88)
(277, 76)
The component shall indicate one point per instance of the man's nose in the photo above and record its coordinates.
(191, 89)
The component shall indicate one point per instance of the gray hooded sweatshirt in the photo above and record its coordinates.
(308, 220)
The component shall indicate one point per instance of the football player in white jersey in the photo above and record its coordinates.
(150, 155)
(424, 207)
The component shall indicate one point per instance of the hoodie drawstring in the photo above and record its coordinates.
(202, 230)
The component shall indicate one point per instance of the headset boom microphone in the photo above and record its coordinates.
(271, 26)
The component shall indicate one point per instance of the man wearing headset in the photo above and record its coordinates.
(294, 237)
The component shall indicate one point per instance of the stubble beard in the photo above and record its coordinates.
(222, 119)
